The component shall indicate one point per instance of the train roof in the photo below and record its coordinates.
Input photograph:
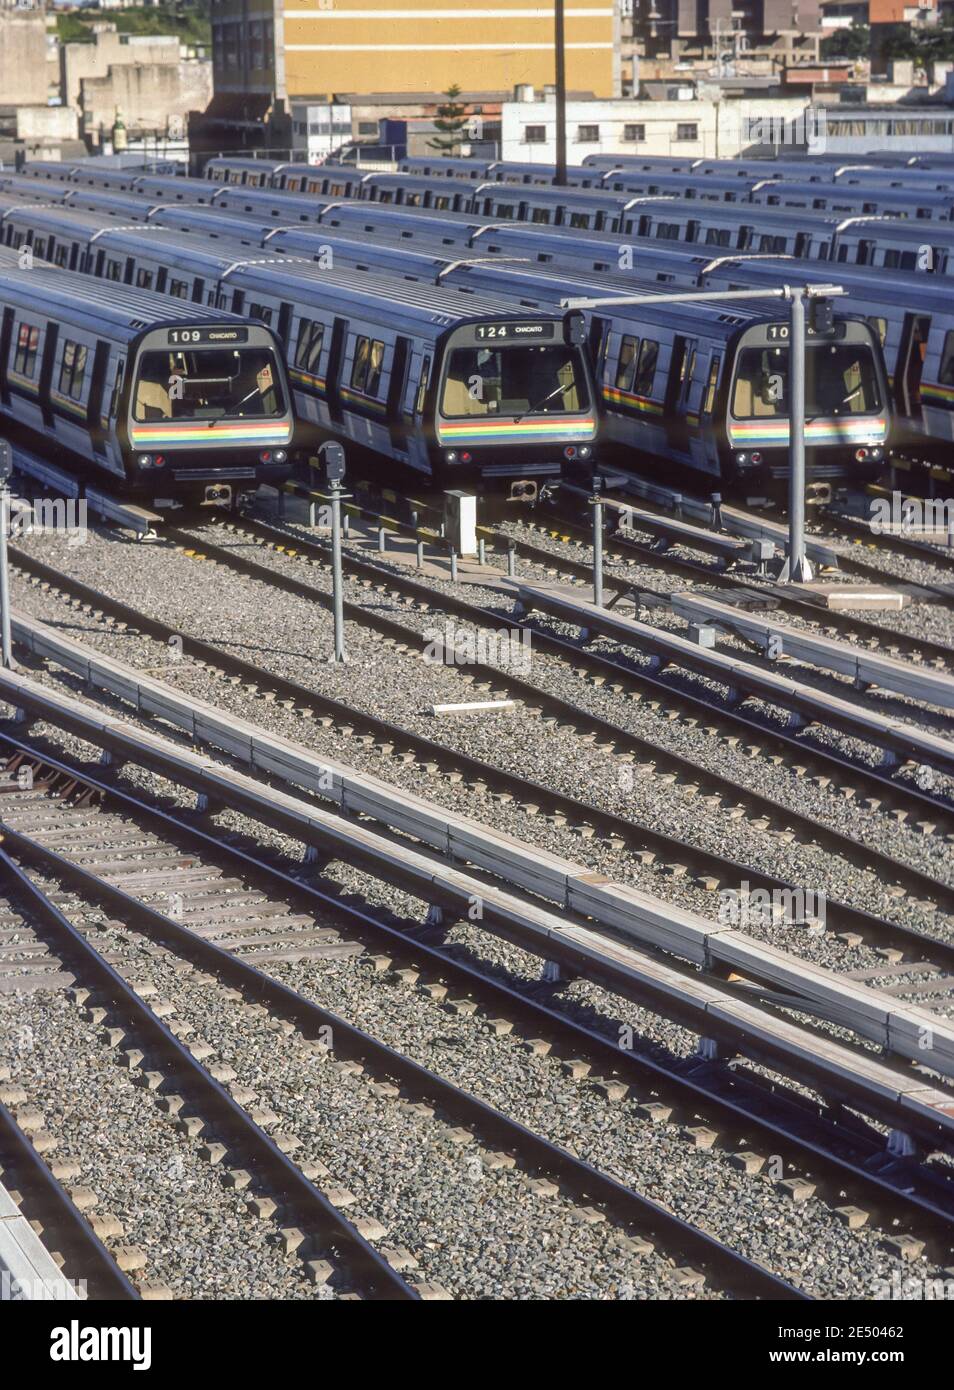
(446, 168)
(120, 310)
(899, 289)
(560, 285)
(410, 300)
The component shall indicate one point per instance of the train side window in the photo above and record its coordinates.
(27, 341)
(114, 270)
(646, 370)
(626, 366)
(718, 236)
(260, 312)
(879, 327)
(72, 370)
(179, 288)
(422, 386)
(946, 374)
(714, 365)
(144, 279)
(368, 361)
(543, 215)
(311, 336)
(375, 365)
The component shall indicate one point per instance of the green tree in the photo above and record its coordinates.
(854, 42)
(450, 123)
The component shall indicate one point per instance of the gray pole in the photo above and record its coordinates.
(336, 575)
(597, 549)
(797, 570)
(559, 76)
(6, 645)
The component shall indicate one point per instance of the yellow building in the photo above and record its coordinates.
(320, 47)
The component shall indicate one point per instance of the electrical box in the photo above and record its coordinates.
(460, 522)
(333, 462)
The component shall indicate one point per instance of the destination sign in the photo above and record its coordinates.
(191, 337)
(536, 329)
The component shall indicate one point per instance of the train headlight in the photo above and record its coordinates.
(741, 458)
(280, 456)
(145, 460)
(451, 456)
(585, 451)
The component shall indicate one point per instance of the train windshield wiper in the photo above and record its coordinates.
(532, 409)
(230, 414)
(844, 401)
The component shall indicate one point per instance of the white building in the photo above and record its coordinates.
(319, 128)
(697, 129)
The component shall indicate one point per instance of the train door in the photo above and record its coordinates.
(598, 344)
(46, 372)
(339, 333)
(6, 341)
(681, 369)
(94, 414)
(399, 366)
(907, 381)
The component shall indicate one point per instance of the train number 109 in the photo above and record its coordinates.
(185, 335)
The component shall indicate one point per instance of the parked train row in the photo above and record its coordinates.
(701, 385)
(861, 230)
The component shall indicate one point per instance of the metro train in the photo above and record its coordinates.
(168, 402)
(678, 383)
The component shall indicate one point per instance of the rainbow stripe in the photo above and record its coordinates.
(941, 393)
(775, 432)
(642, 403)
(205, 434)
(510, 431)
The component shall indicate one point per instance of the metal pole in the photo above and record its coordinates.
(6, 645)
(797, 569)
(337, 580)
(559, 46)
(597, 548)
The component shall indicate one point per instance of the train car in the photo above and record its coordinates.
(469, 170)
(513, 171)
(163, 400)
(851, 200)
(54, 170)
(648, 163)
(914, 322)
(704, 387)
(268, 203)
(453, 388)
(413, 191)
(714, 188)
(247, 173)
(406, 224)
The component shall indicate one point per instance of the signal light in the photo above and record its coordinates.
(465, 457)
(265, 456)
(861, 455)
(756, 457)
(570, 451)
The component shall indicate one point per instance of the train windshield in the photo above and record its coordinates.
(840, 379)
(519, 380)
(208, 383)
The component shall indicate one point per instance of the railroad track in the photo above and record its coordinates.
(909, 1202)
(678, 857)
(166, 1065)
(229, 928)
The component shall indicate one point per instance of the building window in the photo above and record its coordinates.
(687, 130)
(535, 134)
(367, 127)
(73, 370)
(587, 134)
(634, 134)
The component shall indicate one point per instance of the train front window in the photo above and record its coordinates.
(513, 381)
(207, 384)
(840, 379)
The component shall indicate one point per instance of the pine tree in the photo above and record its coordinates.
(451, 122)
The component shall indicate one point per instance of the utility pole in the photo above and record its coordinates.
(559, 45)
(6, 468)
(333, 456)
(797, 568)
